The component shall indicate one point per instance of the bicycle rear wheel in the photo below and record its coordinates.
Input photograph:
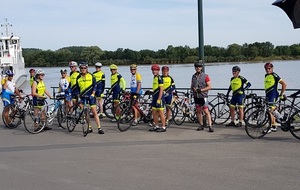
(126, 118)
(36, 124)
(257, 123)
(221, 114)
(11, 116)
(294, 124)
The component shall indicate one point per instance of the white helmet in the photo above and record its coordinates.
(98, 64)
(73, 64)
(39, 72)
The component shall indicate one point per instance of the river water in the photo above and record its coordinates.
(220, 74)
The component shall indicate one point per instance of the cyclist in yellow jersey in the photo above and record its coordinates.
(100, 86)
(271, 88)
(135, 89)
(238, 85)
(38, 91)
(158, 100)
(73, 76)
(169, 88)
(118, 85)
(31, 77)
(86, 85)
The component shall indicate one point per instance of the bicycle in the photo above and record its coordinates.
(221, 113)
(13, 114)
(126, 117)
(78, 115)
(36, 121)
(258, 123)
(58, 110)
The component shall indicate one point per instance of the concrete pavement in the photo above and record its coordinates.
(181, 158)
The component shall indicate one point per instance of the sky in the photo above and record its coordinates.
(146, 24)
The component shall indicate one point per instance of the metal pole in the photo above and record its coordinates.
(200, 31)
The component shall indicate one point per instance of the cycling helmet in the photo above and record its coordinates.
(268, 65)
(113, 66)
(9, 73)
(165, 68)
(155, 67)
(198, 64)
(236, 68)
(31, 70)
(83, 64)
(98, 64)
(73, 64)
(133, 66)
(40, 72)
(63, 71)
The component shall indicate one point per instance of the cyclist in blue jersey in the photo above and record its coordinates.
(100, 86)
(135, 89)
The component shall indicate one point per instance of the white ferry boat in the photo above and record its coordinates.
(11, 57)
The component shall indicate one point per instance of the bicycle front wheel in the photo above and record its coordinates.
(180, 115)
(11, 116)
(294, 124)
(221, 113)
(257, 123)
(125, 119)
(36, 124)
(61, 116)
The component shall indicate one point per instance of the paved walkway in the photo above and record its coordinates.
(181, 158)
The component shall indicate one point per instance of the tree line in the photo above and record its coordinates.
(258, 51)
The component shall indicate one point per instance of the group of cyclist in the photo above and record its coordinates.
(90, 87)
(238, 85)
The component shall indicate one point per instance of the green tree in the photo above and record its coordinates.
(91, 54)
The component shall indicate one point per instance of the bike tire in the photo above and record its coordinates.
(11, 116)
(71, 118)
(108, 109)
(257, 123)
(221, 114)
(126, 118)
(180, 115)
(294, 124)
(61, 116)
(31, 125)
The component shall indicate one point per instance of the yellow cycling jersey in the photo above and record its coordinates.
(99, 75)
(237, 83)
(31, 81)
(157, 83)
(86, 84)
(40, 88)
(117, 79)
(73, 78)
(168, 83)
(271, 82)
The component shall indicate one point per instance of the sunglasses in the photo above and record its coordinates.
(268, 68)
(113, 69)
(198, 66)
(42, 74)
(82, 67)
(133, 69)
(234, 71)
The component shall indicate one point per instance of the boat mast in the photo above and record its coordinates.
(6, 25)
